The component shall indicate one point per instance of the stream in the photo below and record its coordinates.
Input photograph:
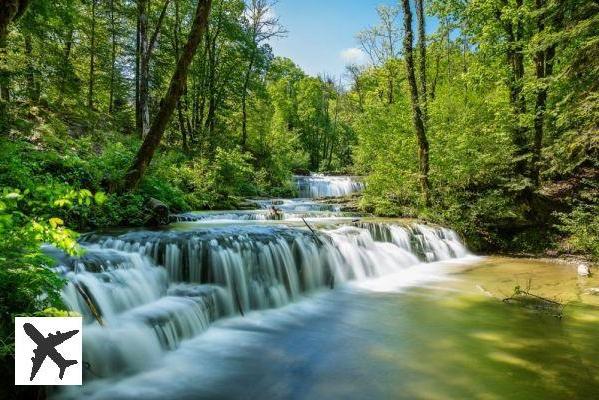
(299, 300)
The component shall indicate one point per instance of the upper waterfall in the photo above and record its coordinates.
(318, 185)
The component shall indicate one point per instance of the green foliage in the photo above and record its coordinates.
(55, 142)
(582, 227)
(28, 285)
(199, 184)
(472, 124)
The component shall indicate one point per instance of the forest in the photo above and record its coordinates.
(489, 124)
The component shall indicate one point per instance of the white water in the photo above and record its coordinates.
(317, 185)
(157, 289)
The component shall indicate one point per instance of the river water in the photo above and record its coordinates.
(316, 304)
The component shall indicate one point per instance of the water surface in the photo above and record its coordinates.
(319, 304)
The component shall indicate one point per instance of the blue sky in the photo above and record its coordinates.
(322, 31)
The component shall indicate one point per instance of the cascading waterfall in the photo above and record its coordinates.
(156, 289)
(262, 215)
(286, 209)
(317, 185)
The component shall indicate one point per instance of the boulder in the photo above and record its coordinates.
(584, 270)
(159, 212)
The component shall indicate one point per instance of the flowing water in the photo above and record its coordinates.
(250, 305)
(318, 185)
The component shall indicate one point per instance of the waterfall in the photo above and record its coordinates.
(286, 209)
(155, 289)
(317, 185)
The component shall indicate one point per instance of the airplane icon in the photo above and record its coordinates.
(46, 348)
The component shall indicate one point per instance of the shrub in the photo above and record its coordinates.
(27, 283)
(582, 227)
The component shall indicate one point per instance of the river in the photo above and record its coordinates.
(304, 301)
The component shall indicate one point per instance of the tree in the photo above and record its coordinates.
(92, 55)
(420, 17)
(514, 31)
(543, 60)
(113, 33)
(381, 44)
(146, 47)
(10, 11)
(169, 101)
(417, 116)
(261, 26)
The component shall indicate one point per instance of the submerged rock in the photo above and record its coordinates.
(584, 270)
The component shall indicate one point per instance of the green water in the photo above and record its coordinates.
(466, 344)
(446, 339)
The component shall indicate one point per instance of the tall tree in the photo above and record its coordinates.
(420, 17)
(513, 25)
(65, 65)
(543, 59)
(261, 26)
(169, 101)
(92, 58)
(10, 10)
(417, 116)
(32, 84)
(146, 47)
(113, 34)
(381, 44)
(143, 113)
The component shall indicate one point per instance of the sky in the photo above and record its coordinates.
(321, 33)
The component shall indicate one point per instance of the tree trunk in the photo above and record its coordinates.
(244, 93)
(182, 127)
(112, 58)
(210, 121)
(417, 117)
(515, 59)
(422, 57)
(137, 76)
(65, 65)
(92, 66)
(390, 86)
(4, 72)
(543, 69)
(464, 49)
(10, 10)
(144, 112)
(448, 48)
(32, 86)
(436, 75)
(145, 52)
(169, 101)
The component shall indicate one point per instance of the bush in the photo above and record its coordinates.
(27, 284)
(582, 227)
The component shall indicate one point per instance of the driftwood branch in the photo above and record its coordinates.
(90, 303)
(332, 276)
(531, 300)
(309, 227)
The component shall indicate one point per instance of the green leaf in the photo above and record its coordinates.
(100, 198)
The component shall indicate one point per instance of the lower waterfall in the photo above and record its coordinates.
(155, 289)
